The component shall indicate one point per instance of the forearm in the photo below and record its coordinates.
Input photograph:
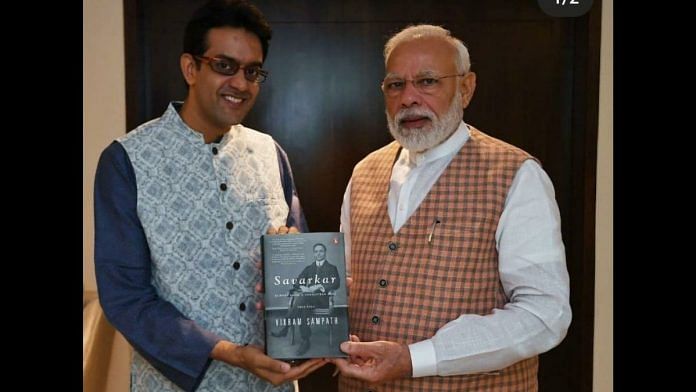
(469, 345)
(176, 346)
(227, 352)
(173, 344)
(534, 321)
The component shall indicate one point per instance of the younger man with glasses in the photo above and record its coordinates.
(454, 240)
(180, 205)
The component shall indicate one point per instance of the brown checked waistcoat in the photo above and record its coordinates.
(442, 263)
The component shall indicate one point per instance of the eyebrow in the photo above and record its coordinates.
(225, 57)
(421, 74)
(427, 74)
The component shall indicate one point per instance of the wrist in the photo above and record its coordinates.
(228, 352)
(407, 365)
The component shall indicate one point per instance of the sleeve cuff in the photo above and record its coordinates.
(423, 358)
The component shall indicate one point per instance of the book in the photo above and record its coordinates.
(305, 299)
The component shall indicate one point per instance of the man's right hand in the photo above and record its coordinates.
(252, 359)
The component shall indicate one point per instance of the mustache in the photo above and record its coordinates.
(414, 112)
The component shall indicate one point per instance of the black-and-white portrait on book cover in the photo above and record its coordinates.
(306, 297)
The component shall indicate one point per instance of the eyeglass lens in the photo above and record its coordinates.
(426, 85)
(229, 67)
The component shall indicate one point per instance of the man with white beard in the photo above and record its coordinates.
(453, 239)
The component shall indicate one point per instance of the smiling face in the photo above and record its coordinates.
(215, 102)
(421, 120)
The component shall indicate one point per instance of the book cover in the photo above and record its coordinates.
(306, 302)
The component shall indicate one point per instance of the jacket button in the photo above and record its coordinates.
(393, 246)
(375, 319)
(214, 150)
(229, 225)
(235, 265)
(223, 187)
(242, 307)
(382, 283)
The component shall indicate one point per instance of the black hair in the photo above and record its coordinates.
(225, 13)
(319, 244)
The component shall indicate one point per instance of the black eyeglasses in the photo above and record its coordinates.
(228, 67)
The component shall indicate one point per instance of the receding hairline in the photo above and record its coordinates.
(424, 31)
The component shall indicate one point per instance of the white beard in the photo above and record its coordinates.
(429, 136)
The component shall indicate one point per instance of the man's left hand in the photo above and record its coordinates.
(378, 362)
(282, 230)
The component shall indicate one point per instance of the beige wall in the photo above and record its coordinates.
(604, 299)
(103, 120)
(103, 104)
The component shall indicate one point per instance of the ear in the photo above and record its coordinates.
(189, 68)
(467, 85)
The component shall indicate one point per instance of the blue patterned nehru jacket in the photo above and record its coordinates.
(203, 215)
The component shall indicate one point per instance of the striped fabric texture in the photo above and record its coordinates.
(442, 263)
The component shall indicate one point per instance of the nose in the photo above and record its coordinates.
(238, 81)
(410, 95)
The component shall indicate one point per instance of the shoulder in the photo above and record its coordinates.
(143, 131)
(114, 151)
(253, 134)
(378, 156)
(494, 145)
(158, 130)
(262, 142)
(114, 157)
